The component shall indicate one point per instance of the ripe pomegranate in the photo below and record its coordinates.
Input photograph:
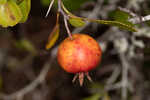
(79, 55)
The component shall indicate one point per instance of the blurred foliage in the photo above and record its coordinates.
(98, 92)
(106, 2)
(70, 4)
(95, 96)
(25, 45)
(3, 1)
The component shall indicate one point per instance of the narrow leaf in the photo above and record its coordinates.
(76, 22)
(53, 35)
(114, 23)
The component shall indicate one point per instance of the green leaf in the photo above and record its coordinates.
(121, 16)
(10, 14)
(25, 7)
(2, 2)
(114, 23)
(76, 22)
(54, 34)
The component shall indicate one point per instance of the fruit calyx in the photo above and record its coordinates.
(81, 76)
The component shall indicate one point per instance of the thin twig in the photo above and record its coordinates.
(140, 19)
(113, 86)
(125, 68)
(114, 76)
(135, 18)
(50, 6)
(67, 28)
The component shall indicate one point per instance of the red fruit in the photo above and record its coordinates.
(79, 55)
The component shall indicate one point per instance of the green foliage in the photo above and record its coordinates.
(73, 4)
(13, 12)
(69, 4)
(45, 2)
(25, 7)
(121, 16)
(98, 92)
(96, 96)
(26, 45)
(10, 14)
(2, 2)
(114, 23)
(76, 22)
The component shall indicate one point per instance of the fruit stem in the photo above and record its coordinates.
(67, 28)
(65, 18)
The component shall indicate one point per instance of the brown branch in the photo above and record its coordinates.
(20, 94)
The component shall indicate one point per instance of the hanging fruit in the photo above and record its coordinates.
(79, 55)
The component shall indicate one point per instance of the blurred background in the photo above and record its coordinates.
(29, 72)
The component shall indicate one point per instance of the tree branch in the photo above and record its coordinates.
(137, 20)
(20, 94)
